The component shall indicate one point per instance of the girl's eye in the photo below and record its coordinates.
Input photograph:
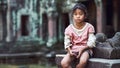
(75, 14)
(78, 14)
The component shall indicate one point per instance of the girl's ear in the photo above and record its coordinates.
(85, 17)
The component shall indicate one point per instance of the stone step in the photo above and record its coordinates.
(93, 62)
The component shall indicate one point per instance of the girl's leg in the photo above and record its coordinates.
(65, 63)
(83, 60)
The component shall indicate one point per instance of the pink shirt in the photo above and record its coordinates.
(78, 40)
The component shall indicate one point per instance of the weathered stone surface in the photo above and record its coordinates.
(103, 63)
(101, 37)
(58, 60)
(115, 40)
(106, 52)
(107, 48)
(93, 62)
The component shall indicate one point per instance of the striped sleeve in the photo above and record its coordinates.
(91, 40)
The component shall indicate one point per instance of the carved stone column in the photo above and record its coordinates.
(52, 20)
(100, 17)
(52, 29)
(8, 21)
(1, 28)
(41, 11)
(3, 8)
(115, 15)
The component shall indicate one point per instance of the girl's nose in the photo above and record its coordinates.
(78, 16)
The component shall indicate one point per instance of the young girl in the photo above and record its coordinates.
(79, 38)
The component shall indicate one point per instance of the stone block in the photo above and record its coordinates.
(92, 62)
(106, 52)
(103, 63)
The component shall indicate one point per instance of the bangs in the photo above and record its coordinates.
(81, 7)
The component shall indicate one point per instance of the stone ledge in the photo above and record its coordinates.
(93, 62)
(103, 63)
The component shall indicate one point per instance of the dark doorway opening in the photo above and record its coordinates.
(109, 12)
(109, 31)
(44, 26)
(24, 25)
(62, 25)
(65, 20)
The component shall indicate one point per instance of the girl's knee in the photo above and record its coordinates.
(66, 61)
(81, 64)
(83, 61)
(84, 58)
(64, 64)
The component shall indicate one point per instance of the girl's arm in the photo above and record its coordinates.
(70, 52)
(91, 40)
(67, 44)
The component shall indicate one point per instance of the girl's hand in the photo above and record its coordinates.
(80, 51)
(79, 54)
(71, 53)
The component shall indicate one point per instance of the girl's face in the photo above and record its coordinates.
(78, 16)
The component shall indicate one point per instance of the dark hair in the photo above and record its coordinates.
(81, 7)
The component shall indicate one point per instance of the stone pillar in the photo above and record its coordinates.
(52, 29)
(3, 8)
(60, 28)
(8, 22)
(100, 17)
(52, 21)
(42, 10)
(115, 15)
(1, 28)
